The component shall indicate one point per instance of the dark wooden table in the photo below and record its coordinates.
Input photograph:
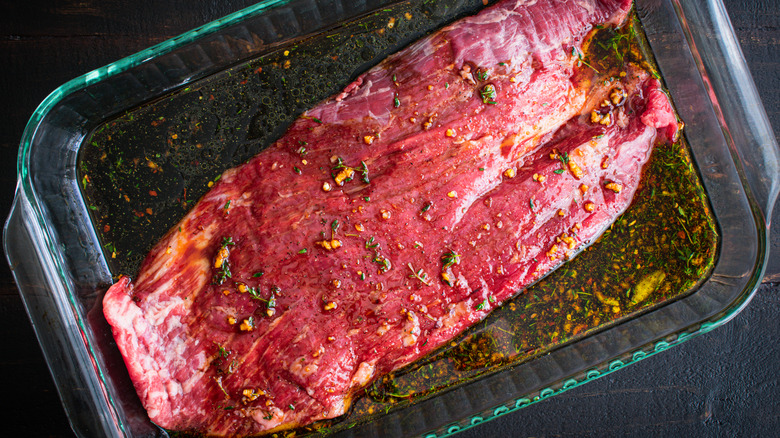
(722, 383)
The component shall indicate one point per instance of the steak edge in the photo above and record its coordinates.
(387, 220)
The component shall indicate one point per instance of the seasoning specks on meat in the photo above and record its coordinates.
(299, 340)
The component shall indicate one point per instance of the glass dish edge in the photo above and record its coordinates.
(26, 198)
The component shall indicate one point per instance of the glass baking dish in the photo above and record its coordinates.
(62, 268)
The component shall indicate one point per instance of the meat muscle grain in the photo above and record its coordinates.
(434, 188)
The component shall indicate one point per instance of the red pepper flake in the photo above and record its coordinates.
(152, 193)
(148, 211)
(259, 70)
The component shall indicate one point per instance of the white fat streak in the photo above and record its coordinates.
(303, 367)
(411, 329)
(277, 417)
(456, 314)
(363, 374)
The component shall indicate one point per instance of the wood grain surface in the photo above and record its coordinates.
(724, 383)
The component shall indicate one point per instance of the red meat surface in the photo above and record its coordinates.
(386, 221)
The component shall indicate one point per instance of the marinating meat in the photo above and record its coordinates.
(387, 220)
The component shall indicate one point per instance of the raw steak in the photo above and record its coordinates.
(387, 220)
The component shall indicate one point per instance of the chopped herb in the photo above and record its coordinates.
(227, 205)
(383, 262)
(222, 352)
(394, 78)
(366, 198)
(483, 75)
(224, 272)
(481, 169)
(450, 258)
(272, 299)
(291, 406)
(254, 294)
(317, 120)
(297, 170)
(502, 63)
(488, 94)
(581, 61)
(426, 207)
(302, 142)
(558, 171)
(419, 274)
(362, 275)
(224, 269)
(258, 274)
(446, 85)
(268, 416)
(92, 207)
(364, 172)
(370, 243)
(396, 102)
(334, 226)
(303, 251)
(482, 305)
(531, 203)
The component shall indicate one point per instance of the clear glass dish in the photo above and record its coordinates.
(61, 267)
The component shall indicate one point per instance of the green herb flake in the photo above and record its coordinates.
(396, 102)
(317, 120)
(450, 258)
(258, 274)
(303, 251)
(558, 171)
(296, 170)
(419, 274)
(364, 172)
(488, 94)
